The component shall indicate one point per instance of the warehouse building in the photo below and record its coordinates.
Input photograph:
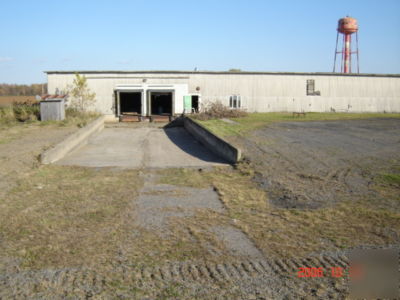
(161, 93)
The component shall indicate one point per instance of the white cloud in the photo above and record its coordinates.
(5, 59)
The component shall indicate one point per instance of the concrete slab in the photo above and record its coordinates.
(143, 147)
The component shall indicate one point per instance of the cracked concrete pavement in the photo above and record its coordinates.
(142, 147)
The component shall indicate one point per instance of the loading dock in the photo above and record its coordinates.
(154, 102)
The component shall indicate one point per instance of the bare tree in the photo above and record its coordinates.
(80, 94)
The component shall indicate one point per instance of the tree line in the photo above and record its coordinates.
(22, 89)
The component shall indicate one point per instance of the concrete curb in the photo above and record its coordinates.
(214, 143)
(73, 141)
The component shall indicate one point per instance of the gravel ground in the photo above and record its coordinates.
(237, 242)
(157, 203)
(315, 164)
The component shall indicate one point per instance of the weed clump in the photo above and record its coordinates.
(217, 110)
(19, 112)
(26, 112)
(78, 117)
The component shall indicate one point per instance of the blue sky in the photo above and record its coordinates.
(183, 34)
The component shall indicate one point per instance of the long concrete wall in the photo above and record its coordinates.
(260, 92)
(214, 143)
(72, 142)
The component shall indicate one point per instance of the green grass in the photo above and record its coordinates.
(257, 120)
(393, 179)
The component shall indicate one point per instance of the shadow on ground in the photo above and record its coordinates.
(142, 147)
(187, 143)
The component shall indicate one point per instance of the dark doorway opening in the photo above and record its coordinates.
(161, 103)
(195, 104)
(130, 103)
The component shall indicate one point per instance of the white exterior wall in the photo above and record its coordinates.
(259, 92)
(267, 93)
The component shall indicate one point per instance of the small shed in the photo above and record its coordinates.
(52, 107)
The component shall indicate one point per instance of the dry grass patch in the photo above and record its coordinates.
(186, 240)
(292, 232)
(67, 216)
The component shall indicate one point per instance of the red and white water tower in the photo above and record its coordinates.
(347, 26)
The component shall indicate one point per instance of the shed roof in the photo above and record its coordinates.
(52, 97)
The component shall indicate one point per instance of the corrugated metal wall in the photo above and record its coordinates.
(259, 92)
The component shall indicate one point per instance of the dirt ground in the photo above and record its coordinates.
(305, 194)
(20, 147)
(330, 185)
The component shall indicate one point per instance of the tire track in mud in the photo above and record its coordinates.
(90, 282)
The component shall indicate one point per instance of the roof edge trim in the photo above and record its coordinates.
(224, 73)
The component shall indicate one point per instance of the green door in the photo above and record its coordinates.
(187, 104)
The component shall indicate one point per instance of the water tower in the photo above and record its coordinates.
(346, 26)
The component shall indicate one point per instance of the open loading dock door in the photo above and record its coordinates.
(161, 103)
(130, 103)
(148, 102)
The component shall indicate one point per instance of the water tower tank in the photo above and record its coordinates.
(347, 25)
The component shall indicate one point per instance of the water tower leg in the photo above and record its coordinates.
(347, 50)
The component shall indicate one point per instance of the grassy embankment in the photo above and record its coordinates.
(257, 120)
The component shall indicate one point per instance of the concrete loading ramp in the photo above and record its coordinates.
(142, 147)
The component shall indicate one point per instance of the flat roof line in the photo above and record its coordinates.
(223, 73)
